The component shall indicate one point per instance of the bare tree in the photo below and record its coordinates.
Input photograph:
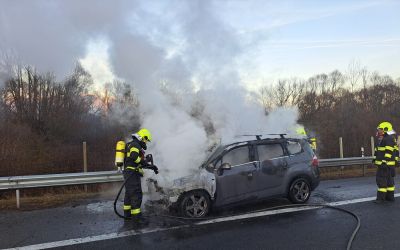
(353, 73)
(266, 98)
(287, 92)
(335, 81)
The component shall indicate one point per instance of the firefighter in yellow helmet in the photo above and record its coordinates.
(134, 163)
(302, 132)
(384, 159)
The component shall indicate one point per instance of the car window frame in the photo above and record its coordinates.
(251, 155)
(287, 150)
(284, 150)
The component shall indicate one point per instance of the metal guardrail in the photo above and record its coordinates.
(337, 162)
(50, 180)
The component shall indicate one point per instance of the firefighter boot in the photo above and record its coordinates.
(127, 215)
(390, 196)
(380, 197)
(140, 220)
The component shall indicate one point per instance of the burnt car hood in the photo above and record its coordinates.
(201, 179)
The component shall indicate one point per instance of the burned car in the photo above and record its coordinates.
(247, 171)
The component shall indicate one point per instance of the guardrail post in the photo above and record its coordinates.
(85, 161)
(17, 198)
(372, 146)
(372, 150)
(341, 153)
(341, 146)
(363, 166)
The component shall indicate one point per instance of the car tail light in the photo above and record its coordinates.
(315, 161)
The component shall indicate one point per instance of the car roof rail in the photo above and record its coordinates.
(258, 137)
(281, 135)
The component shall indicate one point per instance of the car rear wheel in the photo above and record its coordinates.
(299, 191)
(195, 204)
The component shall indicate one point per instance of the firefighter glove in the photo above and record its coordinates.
(144, 164)
(155, 169)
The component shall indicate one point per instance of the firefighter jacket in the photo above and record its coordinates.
(385, 151)
(395, 156)
(134, 156)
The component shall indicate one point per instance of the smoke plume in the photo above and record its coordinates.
(180, 57)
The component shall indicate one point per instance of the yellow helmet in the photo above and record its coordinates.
(144, 134)
(385, 126)
(301, 131)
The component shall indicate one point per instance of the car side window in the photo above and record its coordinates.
(293, 147)
(269, 151)
(237, 156)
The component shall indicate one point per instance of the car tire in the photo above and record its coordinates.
(299, 191)
(195, 204)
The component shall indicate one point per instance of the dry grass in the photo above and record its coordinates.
(40, 198)
(331, 173)
(45, 201)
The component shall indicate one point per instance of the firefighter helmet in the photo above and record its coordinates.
(144, 134)
(385, 126)
(301, 131)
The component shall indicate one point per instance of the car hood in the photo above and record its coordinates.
(202, 179)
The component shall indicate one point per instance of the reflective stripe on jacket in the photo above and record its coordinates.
(384, 151)
(133, 156)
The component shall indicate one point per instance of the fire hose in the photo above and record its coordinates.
(189, 219)
(149, 160)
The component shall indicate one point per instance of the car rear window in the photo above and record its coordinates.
(293, 147)
(269, 151)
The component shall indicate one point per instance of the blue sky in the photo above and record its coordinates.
(303, 38)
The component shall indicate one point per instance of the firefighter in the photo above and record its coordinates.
(384, 160)
(302, 133)
(392, 167)
(313, 141)
(134, 164)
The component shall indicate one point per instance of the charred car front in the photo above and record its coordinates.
(247, 171)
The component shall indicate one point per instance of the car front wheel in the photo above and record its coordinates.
(299, 191)
(195, 204)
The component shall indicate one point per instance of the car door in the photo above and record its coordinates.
(236, 184)
(273, 167)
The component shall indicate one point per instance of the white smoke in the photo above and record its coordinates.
(184, 46)
(52, 35)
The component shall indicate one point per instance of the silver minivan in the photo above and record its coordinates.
(247, 171)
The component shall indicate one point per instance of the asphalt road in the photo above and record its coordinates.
(94, 226)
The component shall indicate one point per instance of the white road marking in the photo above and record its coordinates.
(211, 221)
(94, 238)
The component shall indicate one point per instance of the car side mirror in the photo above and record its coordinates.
(226, 166)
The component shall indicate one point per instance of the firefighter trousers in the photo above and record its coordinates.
(133, 193)
(385, 182)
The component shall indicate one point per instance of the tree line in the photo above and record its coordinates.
(43, 121)
(348, 105)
